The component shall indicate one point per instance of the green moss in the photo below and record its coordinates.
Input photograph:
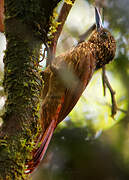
(22, 81)
(53, 24)
(14, 151)
(26, 10)
(25, 21)
(13, 156)
(69, 2)
(23, 85)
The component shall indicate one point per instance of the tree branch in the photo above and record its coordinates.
(1, 15)
(61, 20)
(103, 80)
(22, 83)
(107, 83)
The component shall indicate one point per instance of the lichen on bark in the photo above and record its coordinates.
(22, 82)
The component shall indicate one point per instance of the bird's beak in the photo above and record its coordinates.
(98, 19)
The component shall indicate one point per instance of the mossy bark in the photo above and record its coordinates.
(22, 82)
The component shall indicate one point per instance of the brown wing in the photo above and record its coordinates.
(83, 70)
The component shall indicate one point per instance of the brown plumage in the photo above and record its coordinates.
(66, 79)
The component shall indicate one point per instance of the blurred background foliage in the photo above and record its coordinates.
(2, 96)
(89, 144)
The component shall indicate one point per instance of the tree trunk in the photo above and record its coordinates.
(22, 82)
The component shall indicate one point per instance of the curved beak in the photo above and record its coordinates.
(98, 19)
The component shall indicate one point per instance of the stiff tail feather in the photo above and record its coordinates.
(44, 140)
(40, 152)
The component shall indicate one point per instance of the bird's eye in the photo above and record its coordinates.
(104, 35)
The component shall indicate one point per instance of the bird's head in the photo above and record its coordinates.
(103, 42)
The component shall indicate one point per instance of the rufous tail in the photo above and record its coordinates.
(40, 152)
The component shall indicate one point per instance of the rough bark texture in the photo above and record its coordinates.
(22, 82)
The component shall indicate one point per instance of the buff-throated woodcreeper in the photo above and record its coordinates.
(65, 80)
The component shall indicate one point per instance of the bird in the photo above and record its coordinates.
(66, 78)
